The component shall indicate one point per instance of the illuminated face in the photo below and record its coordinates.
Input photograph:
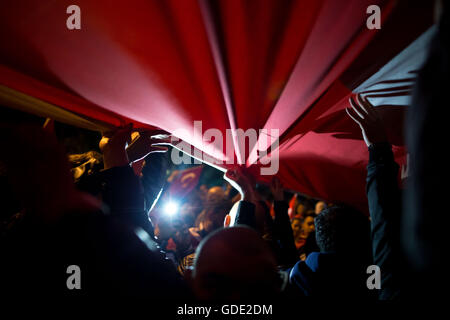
(308, 226)
(215, 193)
(320, 206)
(301, 209)
(296, 227)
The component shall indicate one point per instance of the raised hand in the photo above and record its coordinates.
(113, 146)
(366, 116)
(189, 150)
(146, 143)
(119, 149)
(242, 182)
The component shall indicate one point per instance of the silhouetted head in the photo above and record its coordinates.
(216, 208)
(343, 230)
(39, 173)
(234, 263)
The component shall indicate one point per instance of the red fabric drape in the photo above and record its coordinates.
(288, 65)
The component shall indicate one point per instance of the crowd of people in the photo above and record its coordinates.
(94, 212)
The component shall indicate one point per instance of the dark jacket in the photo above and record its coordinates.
(288, 253)
(322, 273)
(329, 275)
(385, 199)
(281, 238)
(116, 255)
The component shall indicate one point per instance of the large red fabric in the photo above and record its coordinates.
(287, 65)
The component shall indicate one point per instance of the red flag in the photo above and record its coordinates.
(185, 182)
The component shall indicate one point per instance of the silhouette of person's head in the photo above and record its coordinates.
(234, 263)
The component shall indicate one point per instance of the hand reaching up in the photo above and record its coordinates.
(145, 144)
(242, 182)
(366, 116)
(119, 149)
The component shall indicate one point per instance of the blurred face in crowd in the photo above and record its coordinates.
(182, 235)
(296, 225)
(308, 226)
(215, 194)
(320, 206)
(216, 208)
(301, 209)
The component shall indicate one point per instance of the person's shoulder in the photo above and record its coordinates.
(299, 278)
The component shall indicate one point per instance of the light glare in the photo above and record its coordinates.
(171, 208)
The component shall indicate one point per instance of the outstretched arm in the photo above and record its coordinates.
(121, 188)
(383, 194)
(246, 208)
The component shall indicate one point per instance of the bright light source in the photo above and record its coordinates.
(171, 208)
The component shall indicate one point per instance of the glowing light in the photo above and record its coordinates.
(171, 208)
